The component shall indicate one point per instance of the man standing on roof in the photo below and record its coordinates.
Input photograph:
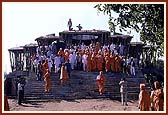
(70, 24)
(79, 27)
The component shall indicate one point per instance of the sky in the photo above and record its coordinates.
(23, 22)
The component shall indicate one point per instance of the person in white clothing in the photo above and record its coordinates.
(112, 46)
(43, 57)
(38, 50)
(35, 62)
(20, 91)
(115, 51)
(105, 47)
(57, 62)
(72, 59)
(49, 53)
(132, 68)
(83, 46)
(84, 61)
(123, 91)
(121, 49)
(49, 63)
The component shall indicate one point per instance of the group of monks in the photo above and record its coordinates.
(153, 102)
(93, 58)
(46, 74)
(96, 59)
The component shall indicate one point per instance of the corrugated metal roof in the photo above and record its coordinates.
(47, 37)
(31, 45)
(20, 48)
(121, 36)
(84, 31)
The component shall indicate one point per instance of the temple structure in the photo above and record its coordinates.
(85, 36)
(16, 58)
(20, 56)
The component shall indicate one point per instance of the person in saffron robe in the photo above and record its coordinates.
(97, 47)
(99, 62)
(88, 62)
(158, 97)
(101, 82)
(47, 81)
(105, 52)
(112, 56)
(66, 56)
(144, 99)
(117, 63)
(93, 61)
(107, 62)
(64, 74)
(45, 67)
(61, 52)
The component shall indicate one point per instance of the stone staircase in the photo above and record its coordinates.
(81, 85)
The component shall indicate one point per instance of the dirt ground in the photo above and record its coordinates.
(74, 105)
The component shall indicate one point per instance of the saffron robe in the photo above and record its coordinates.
(144, 101)
(47, 81)
(64, 75)
(107, 63)
(100, 62)
(101, 83)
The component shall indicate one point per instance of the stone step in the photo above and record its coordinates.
(81, 96)
(82, 85)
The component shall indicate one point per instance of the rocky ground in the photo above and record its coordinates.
(74, 105)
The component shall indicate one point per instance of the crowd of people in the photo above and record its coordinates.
(84, 58)
(108, 58)
(94, 57)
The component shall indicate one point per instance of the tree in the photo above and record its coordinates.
(148, 19)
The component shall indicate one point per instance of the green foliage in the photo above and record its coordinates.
(148, 19)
